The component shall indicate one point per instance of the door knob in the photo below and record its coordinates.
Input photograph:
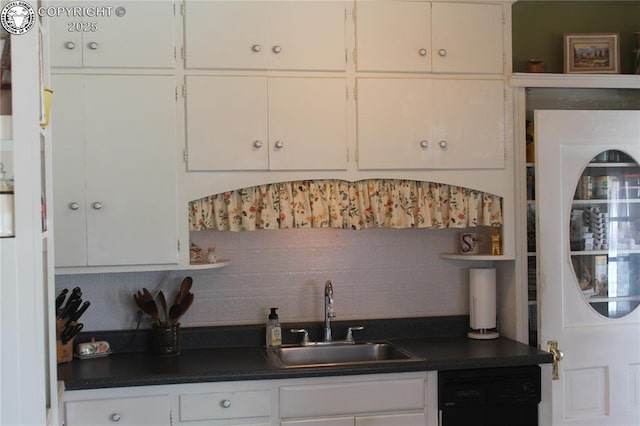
(442, 52)
(97, 205)
(93, 45)
(443, 144)
(74, 206)
(277, 49)
(553, 349)
(424, 143)
(422, 52)
(257, 144)
(256, 48)
(70, 45)
(279, 144)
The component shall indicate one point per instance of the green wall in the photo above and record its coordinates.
(538, 28)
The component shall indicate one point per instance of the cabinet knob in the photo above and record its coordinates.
(257, 144)
(115, 417)
(443, 144)
(277, 49)
(225, 403)
(422, 52)
(256, 48)
(92, 45)
(279, 144)
(442, 52)
(70, 45)
(97, 205)
(424, 143)
(74, 206)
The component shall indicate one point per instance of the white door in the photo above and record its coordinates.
(307, 124)
(70, 212)
(393, 36)
(126, 34)
(227, 126)
(226, 34)
(467, 38)
(598, 332)
(468, 124)
(395, 123)
(131, 170)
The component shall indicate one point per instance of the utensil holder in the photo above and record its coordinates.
(165, 340)
(64, 352)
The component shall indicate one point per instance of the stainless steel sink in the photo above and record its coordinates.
(357, 353)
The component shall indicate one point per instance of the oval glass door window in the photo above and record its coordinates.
(604, 234)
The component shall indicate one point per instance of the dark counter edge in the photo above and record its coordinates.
(439, 342)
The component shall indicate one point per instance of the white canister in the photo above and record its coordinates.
(7, 226)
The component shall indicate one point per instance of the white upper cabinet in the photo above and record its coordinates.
(430, 124)
(393, 36)
(115, 170)
(232, 131)
(266, 123)
(279, 35)
(124, 34)
(467, 38)
(415, 36)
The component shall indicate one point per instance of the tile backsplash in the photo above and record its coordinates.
(376, 273)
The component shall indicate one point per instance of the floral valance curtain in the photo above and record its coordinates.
(373, 203)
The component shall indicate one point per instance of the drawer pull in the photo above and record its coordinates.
(115, 417)
(225, 403)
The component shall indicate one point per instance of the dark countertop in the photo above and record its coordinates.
(235, 358)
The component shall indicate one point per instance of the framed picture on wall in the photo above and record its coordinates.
(592, 53)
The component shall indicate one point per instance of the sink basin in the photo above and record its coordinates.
(358, 353)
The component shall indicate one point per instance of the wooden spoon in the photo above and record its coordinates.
(150, 306)
(163, 303)
(179, 309)
(185, 286)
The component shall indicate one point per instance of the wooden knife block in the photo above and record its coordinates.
(64, 353)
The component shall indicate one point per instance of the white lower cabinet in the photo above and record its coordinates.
(127, 406)
(382, 400)
(400, 399)
(244, 405)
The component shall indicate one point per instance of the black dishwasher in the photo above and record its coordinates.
(489, 397)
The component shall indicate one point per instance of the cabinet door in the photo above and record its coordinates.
(307, 124)
(467, 38)
(468, 124)
(393, 36)
(307, 35)
(144, 410)
(143, 37)
(394, 123)
(68, 171)
(410, 419)
(131, 175)
(226, 34)
(265, 35)
(132, 34)
(65, 46)
(227, 123)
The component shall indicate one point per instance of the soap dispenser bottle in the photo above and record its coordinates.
(274, 332)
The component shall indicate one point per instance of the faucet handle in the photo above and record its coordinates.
(305, 335)
(350, 331)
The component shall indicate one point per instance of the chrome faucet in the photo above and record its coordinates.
(328, 310)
